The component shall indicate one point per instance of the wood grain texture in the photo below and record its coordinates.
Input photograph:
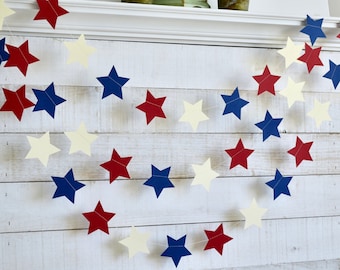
(136, 204)
(291, 241)
(298, 232)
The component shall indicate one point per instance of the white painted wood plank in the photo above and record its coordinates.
(163, 65)
(179, 151)
(324, 264)
(84, 104)
(30, 207)
(288, 241)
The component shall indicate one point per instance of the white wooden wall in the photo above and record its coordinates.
(298, 232)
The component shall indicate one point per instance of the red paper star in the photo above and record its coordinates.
(117, 166)
(152, 107)
(98, 219)
(20, 57)
(266, 81)
(301, 151)
(239, 155)
(16, 102)
(217, 239)
(49, 10)
(311, 57)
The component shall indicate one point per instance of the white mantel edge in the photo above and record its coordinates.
(152, 23)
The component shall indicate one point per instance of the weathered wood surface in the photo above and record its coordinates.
(299, 232)
(179, 151)
(112, 115)
(279, 241)
(136, 204)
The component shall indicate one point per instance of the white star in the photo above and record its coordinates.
(204, 174)
(291, 52)
(81, 140)
(4, 12)
(320, 112)
(136, 242)
(193, 114)
(79, 51)
(253, 214)
(41, 148)
(293, 92)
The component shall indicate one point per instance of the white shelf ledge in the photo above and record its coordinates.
(151, 23)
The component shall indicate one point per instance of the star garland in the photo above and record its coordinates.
(98, 219)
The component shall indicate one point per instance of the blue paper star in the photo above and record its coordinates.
(176, 249)
(269, 126)
(66, 186)
(112, 84)
(313, 29)
(3, 54)
(234, 103)
(280, 184)
(159, 180)
(47, 100)
(333, 73)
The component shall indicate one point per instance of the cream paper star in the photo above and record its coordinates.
(41, 148)
(136, 242)
(81, 140)
(253, 214)
(291, 52)
(79, 51)
(320, 112)
(193, 114)
(293, 92)
(4, 12)
(204, 174)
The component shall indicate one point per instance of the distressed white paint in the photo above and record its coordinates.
(299, 232)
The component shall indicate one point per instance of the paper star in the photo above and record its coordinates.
(79, 51)
(193, 114)
(253, 214)
(217, 239)
(293, 92)
(239, 155)
(41, 148)
(176, 249)
(98, 219)
(311, 57)
(266, 81)
(159, 180)
(49, 10)
(301, 151)
(234, 104)
(112, 84)
(269, 126)
(291, 52)
(313, 29)
(136, 242)
(4, 12)
(20, 57)
(117, 166)
(320, 112)
(66, 186)
(3, 54)
(333, 74)
(81, 140)
(16, 102)
(152, 107)
(204, 174)
(279, 184)
(47, 100)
